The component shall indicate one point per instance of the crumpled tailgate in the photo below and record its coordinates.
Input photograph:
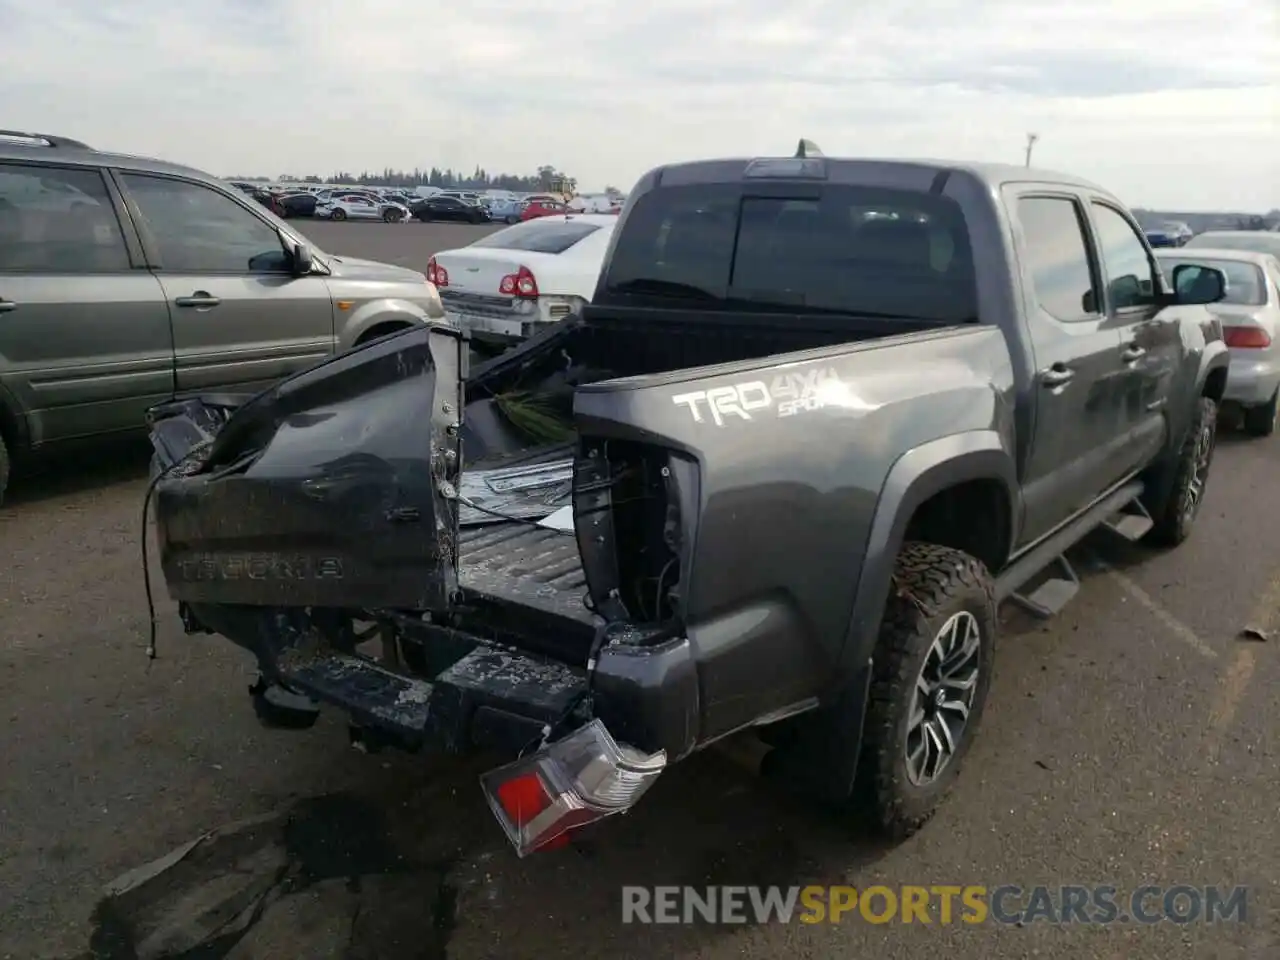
(334, 488)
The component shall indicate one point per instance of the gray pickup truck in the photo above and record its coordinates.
(820, 418)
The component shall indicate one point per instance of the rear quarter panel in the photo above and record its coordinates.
(793, 453)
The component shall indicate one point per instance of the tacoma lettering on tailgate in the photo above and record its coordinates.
(261, 567)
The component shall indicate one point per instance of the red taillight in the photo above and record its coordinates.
(519, 284)
(1250, 337)
(540, 799)
(437, 274)
(523, 800)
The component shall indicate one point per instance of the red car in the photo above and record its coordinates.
(543, 208)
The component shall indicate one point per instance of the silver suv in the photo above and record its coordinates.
(126, 281)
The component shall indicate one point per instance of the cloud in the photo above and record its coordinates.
(1167, 102)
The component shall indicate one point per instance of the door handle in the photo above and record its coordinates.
(1133, 352)
(7, 306)
(1056, 375)
(198, 299)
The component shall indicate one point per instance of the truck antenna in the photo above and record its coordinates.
(808, 148)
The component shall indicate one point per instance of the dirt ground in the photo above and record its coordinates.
(1132, 740)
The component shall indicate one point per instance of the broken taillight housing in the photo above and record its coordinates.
(583, 778)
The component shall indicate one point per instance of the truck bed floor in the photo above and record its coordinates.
(527, 565)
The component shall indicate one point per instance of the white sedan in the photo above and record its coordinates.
(355, 206)
(1250, 315)
(511, 284)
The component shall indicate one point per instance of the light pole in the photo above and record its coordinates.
(1031, 142)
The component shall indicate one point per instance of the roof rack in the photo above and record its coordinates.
(46, 139)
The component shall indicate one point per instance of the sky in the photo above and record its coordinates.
(1173, 104)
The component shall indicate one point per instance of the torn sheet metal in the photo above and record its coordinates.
(528, 492)
(562, 519)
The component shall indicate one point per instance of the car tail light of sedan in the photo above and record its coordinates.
(520, 284)
(1254, 338)
(437, 274)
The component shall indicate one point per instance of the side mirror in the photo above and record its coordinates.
(1195, 283)
(302, 261)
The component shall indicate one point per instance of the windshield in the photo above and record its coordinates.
(540, 236)
(1245, 284)
(1245, 240)
(858, 250)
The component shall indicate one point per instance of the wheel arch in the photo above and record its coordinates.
(926, 494)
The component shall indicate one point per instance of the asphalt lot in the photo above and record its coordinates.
(1129, 741)
(408, 244)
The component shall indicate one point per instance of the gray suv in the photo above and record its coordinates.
(125, 282)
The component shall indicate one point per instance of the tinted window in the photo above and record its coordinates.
(1246, 285)
(198, 230)
(58, 221)
(1124, 259)
(849, 249)
(1258, 240)
(540, 236)
(1058, 258)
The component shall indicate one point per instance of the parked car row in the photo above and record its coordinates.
(461, 206)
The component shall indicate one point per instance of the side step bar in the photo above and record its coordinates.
(1057, 591)
(1131, 523)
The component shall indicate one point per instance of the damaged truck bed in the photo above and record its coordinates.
(810, 430)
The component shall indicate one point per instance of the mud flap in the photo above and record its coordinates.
(334, 488)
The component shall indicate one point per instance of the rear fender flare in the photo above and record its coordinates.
(915, 477)
(1216, 356)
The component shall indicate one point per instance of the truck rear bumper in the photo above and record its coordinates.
(466, 693)
(487, 699)
(496, 698)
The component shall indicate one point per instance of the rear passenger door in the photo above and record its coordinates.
(85, 345)
(1150, 337)
(240, 318)
(1078, 426)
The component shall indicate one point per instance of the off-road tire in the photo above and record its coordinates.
(1261, 421)
(4, 469)
(1174, 518)
(930, 585)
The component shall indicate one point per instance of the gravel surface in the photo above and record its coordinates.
(1129, 741)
